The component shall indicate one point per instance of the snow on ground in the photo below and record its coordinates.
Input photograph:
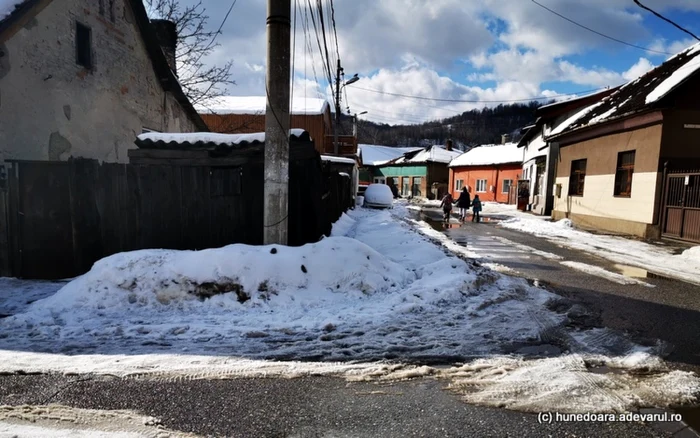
(603, 273)
(56, 421)
(16, 295)
(654, 258)
(375, 290)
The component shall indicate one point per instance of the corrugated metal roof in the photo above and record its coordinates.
(208, 141)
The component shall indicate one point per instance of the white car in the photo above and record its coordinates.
(379, 196)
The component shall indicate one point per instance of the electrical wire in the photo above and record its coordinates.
(667, 20)
(599, 33)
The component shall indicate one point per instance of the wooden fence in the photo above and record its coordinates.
(61, 217)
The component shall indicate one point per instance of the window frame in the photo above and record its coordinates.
(413, 186)
(459, 183)
(578, 177)
(503, 186)
(476, 186)
(81, 31)
(627, 170)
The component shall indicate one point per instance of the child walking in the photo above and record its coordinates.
(476, 206)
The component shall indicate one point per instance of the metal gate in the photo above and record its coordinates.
(681, 208)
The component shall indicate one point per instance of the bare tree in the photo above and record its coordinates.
(195, 41)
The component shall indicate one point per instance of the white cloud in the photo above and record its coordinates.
(642, 66)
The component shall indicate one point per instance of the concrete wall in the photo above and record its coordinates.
(51, 108)
(598, 207)
(494, 179)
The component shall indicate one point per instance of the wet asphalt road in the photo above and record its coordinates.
(670, 311)
(307, 407)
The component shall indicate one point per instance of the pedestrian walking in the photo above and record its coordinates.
(446, 205)
(463, 202)
(476, 207)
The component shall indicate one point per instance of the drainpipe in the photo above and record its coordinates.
(495, 185)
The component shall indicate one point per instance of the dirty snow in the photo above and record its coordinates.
(16, 295)
(57, 421)
(654, 258)
(374, 290)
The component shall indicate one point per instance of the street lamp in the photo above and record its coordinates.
(352, 80)
(354, 122)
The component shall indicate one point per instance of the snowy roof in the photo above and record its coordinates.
(431, 154)
(257, 104)
(374, 155)
(490, 154)
(637, 95)
(335, 159)
(206, 140)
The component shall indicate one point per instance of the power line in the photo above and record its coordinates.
(598, 33)
(666, 19)
(434, 99)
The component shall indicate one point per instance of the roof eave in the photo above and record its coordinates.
(607, 127)
(20, 17)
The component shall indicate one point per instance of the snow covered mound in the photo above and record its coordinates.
(238, 273)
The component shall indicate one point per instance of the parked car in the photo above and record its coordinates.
(379, 196)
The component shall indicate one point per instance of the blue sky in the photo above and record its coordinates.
(469, 50)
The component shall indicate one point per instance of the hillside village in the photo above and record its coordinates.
(277, 260)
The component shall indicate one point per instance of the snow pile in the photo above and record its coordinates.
(490, 154)
(600, 272)
(621, 250)
(566, 384)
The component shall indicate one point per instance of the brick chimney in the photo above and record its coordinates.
(448, 145)
(505, 138)
(166, 32)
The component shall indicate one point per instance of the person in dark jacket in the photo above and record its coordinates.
(463, 202)
(476, 206)
(446, 205)
(394, 189)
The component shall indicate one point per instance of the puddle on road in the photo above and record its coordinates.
(636, 272)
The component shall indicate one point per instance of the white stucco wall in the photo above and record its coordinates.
(52, 109)
(598, 199)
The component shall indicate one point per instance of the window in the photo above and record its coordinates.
(405, 187)
(416, 186)
(83, 45)
(623, 175)
(459, 184)
(577, 177)
(507, 184)
(379, 180)
(481, 186)
(394, 180)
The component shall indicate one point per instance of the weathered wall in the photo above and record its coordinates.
(598, 200)
(51, 108)
(494, 179)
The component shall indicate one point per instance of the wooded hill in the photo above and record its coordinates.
(468, 129)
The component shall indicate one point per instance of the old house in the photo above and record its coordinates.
(490, 171)
(630, 162)
(82, 78)
(246, 114)
(371, 157)
(421, 173)
(536, 187)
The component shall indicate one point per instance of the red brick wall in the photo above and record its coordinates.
(493, 176)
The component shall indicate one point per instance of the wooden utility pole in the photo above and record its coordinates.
(276, 172)
(336, 147)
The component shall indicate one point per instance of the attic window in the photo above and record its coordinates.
(83, 45)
